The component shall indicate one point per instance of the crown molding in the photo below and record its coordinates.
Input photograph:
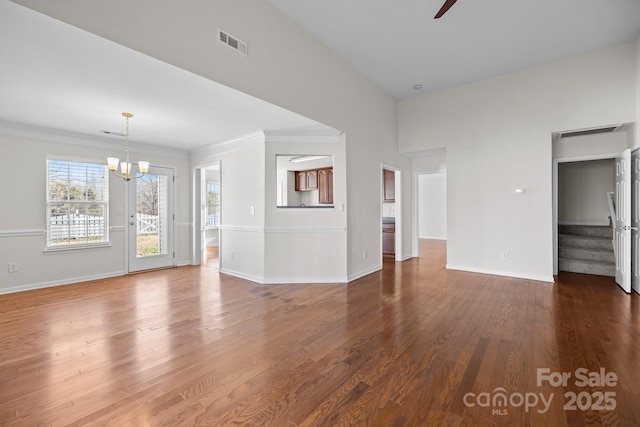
(240, 143)
(58, 136)
(308, 136)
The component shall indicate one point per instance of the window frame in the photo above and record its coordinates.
(105, 204)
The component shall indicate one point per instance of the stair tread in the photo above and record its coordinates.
(600, 268)
(582, 236)
(589, 261)
(586, 248)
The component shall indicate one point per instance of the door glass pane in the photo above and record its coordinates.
(152, 218)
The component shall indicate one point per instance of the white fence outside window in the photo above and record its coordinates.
(77, 226)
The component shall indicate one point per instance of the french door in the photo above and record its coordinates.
(151, 220)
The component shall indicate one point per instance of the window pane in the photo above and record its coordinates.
(213, 204)
(77, 200)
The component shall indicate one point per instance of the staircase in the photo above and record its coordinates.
(586, 249)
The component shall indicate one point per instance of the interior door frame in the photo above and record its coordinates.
(415, 238)
(556, 162)
(198, 189)
(127, 209)
(399, 253)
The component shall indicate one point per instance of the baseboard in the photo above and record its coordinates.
(305, 280)
(249, 277)
(360, 274)
(432, 238)
(62, 282)
(283, 280)
(536, 277)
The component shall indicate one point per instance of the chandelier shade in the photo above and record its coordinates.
(125, 166)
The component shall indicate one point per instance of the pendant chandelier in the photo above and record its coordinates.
(125, 167)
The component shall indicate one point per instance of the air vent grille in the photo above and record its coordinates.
(232, 42)
(607, 129)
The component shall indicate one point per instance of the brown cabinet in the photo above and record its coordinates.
(306, 180)
(317, 179)
(389, 185)
(388, 238)
(325, 185)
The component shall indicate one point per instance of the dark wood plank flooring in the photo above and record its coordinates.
(411, 345)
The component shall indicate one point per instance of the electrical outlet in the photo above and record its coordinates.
(364, 254)
(504, 254)
(233, 255)
(13, 267)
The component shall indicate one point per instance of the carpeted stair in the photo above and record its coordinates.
(586, 249)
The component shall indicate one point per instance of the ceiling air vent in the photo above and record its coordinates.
(232, 42)
(607, 129)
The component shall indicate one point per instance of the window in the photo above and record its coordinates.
(77, 203)
(213, 204)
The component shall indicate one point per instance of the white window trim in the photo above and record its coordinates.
(48, 249)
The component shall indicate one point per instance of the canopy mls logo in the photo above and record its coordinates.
(602, 400)
(499, 401)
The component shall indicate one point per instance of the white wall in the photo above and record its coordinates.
(591, 145)
(306, 244)
(276, 245)
(242, 199)
(497, 134)
(636, 126)
(432, 199)
(23, 221)
(582, 191)
(285, 66)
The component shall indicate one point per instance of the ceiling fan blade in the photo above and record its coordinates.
(447, 4)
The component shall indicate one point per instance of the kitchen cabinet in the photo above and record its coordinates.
(306, 180)
(325, 185)
(388, 238)
(389, 185)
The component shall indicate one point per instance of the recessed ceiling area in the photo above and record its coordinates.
(59, 77)
(398, 44)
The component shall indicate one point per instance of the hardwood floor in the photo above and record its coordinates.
(405, 346)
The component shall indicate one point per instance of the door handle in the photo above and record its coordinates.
(132, 223)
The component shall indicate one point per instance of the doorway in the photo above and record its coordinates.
(151, 220)
(391, 195)
(208, 201)
(610, 230)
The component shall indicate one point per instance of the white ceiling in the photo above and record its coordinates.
(397, 43)
(56, 76)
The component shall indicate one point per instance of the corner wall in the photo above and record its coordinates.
(497, 134)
